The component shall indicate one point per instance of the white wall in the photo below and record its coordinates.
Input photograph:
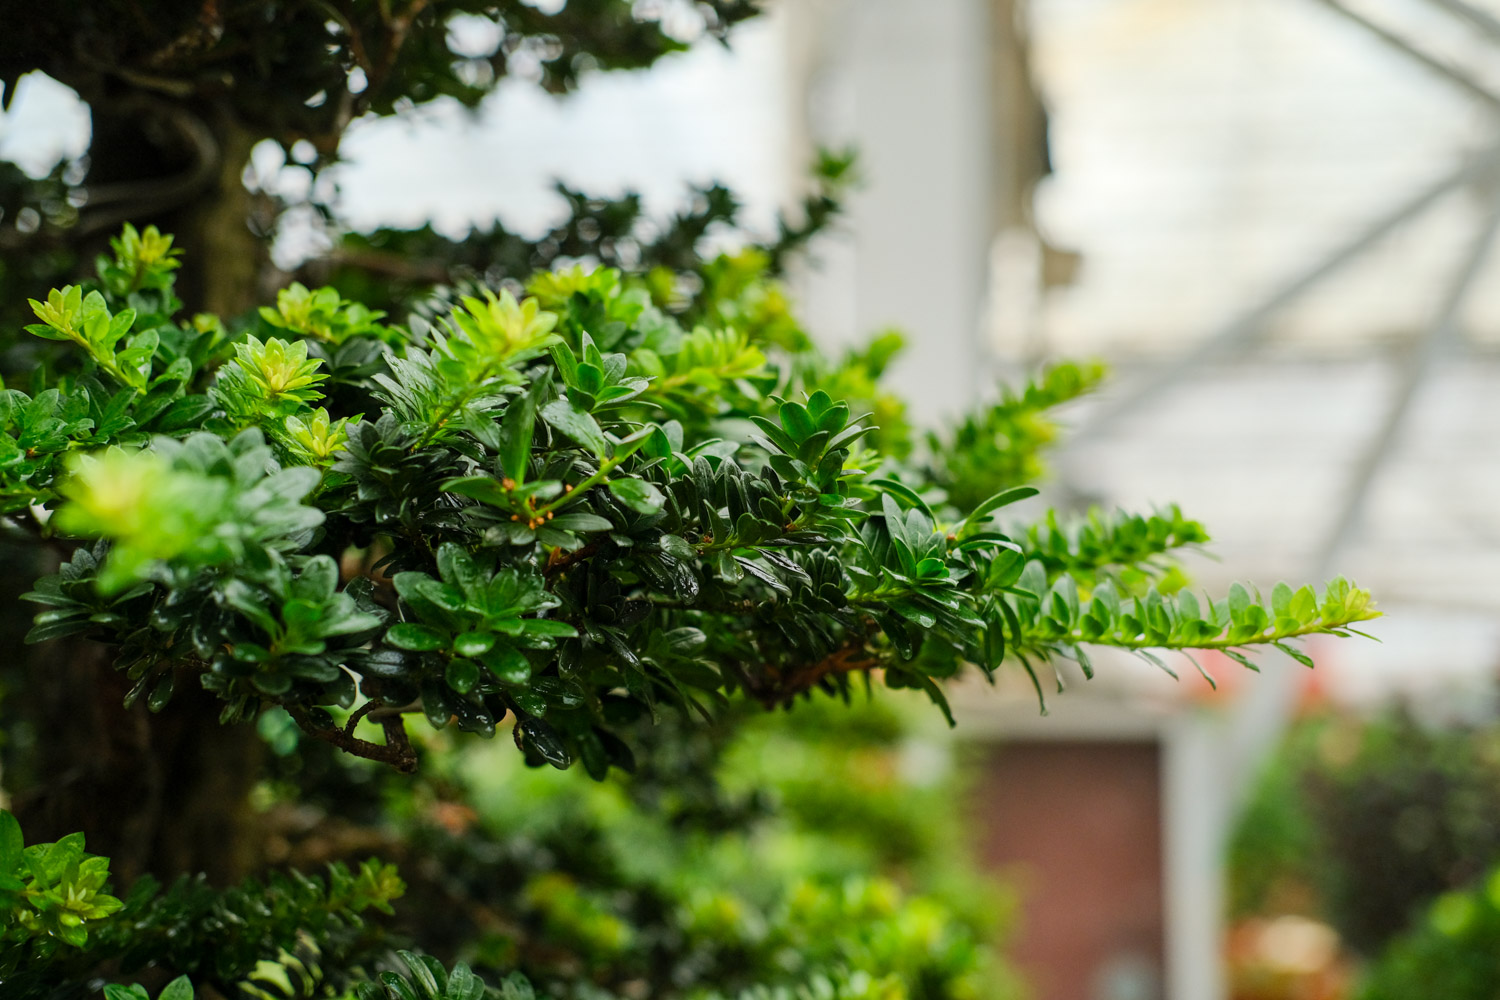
(907, 84)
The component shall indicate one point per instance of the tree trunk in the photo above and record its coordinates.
(225, 261)
(164, 794)
(179, 167)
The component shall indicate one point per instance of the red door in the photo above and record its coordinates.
(1077, 827)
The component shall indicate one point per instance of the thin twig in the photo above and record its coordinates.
(852, 657)
(556, 564)
(397, 751)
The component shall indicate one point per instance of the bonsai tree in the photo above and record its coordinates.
(288, 568)
(558, 515)
(179, 94)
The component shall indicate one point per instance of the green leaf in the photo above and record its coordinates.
(178, 989)
(481, 488)
(134, 991)
(567, 363)
(11, 843)
(458, 568)
(417, 638)
(473, 643)
(463, 984)
(915, 614)
(935, 693)
(462, 674)
(1294, 653)
(1242, 660)
(576, 423)
(799, 425)
(905, 493)
(318, 580)
(516, 987)
(422, 975)
(778, 437)
(1004, 498)
(397, 988)
(1304, 604)
(507, 663)
(1281, 600)
(580, 521)
(516, 430)
(162, 692)
(440, 595)
(639, 495)
(1239, 602)
(57, 629)
(542, 738)
(548, 627)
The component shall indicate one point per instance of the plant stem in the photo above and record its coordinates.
(605, 468)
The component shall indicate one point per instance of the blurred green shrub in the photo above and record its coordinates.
(815, 853)
(1452, 953)
(1364, 821)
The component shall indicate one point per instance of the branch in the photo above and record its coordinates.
(557, 564)
(397, 751)
(852, 657)
(393, 265)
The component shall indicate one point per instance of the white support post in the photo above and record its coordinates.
(1195, 814)
(910, 83)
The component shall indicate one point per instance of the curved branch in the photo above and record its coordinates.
(397, 751)
(780, 687)
(131, 199)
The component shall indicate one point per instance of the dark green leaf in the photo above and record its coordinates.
(178, 989)
(10, 843)
(580, 521)
(576, 423)
(507, 663)
(542, 738)
(418, 638)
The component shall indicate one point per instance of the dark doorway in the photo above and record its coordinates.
(1077, 826)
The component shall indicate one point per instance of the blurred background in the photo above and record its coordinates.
(1273, 220)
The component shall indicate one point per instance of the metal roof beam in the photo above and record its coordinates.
(1414, 372)
(1486, 22)
(1242, 332)
(1452, 73)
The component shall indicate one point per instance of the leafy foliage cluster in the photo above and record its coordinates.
(61, 925)
(784, 870)
(589, 508)
(567, 508)
(53, 893)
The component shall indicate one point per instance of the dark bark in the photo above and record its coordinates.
(178, 167)
(161, 794)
